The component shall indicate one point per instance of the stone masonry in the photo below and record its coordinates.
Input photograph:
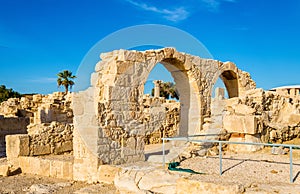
(47, 120)
(109, 120)
(113, 119)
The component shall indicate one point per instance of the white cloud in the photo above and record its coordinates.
(214, 5)
(43, 80)
(174, 15)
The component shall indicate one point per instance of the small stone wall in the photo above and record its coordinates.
(35, 113)
(40, 108)
(55, 138)
(169, 126)
(10, 126)
(56, 168)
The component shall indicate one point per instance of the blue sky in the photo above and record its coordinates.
(39, 38)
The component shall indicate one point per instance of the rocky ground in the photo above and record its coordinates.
(260, 172)
(32, 184)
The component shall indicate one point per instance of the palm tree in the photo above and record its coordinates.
(65, 79)
(167, 89)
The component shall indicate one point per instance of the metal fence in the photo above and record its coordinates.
(189, 139)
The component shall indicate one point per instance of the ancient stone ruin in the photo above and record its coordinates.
(111, 121)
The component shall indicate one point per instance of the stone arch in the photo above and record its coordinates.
(133, 69)
(109, 123)
(228, 72)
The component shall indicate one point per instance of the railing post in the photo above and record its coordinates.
(220, 157)
(163, 150)
(291, 164)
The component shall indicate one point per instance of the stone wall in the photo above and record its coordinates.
(169, 126)
(262, 116)
(10, 126)
(40, 108)
(33, 114)
(54, 138)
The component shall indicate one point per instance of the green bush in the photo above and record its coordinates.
(6, 93)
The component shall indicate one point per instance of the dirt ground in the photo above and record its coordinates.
(26, 183)
(254, 171)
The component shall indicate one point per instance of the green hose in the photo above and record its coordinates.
(173, 166)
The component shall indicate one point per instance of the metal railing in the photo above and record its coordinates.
(188, 139)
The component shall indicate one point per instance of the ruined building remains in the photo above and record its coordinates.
(110, 122)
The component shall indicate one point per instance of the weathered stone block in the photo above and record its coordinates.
(294, 119)
(194, 187)
(67, 171)
(158, 181)
(245, 148)
(56, 169)
(63, 147)
(240, 124)
(44, 169)
(24, 163)
(4, 170)
(16, 145)
(242, 109)
(41, 150)
(107, 173)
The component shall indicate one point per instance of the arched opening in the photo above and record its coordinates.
(190, 102)
(225, 87)
(158, 91)
(190, 115)
(218, 89)
(230, 80)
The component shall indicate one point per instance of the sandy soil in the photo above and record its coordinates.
(257, 170)
(22, 183)
(34, 184)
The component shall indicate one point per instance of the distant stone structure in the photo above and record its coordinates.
(45, 120)
(292, 91)
(169, 126)
(157, 88)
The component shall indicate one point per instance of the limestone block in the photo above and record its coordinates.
(179, 56)
(63, 147)
(107, 173)
(34, 165)
(125, 55)
(41, 149)
(188, 62)
(16, 145)
(106, 56)
(232, 101)
(240, 124)
(140, 57)
(125, 182)
(24, 163)
(294, 119)
(125, 67)
(168, 52)
(67, 170)
(158, 181)
(245, 148)
(44, 169)
(56, 169)
(4, 170)
(242, 109)
(194, 187)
